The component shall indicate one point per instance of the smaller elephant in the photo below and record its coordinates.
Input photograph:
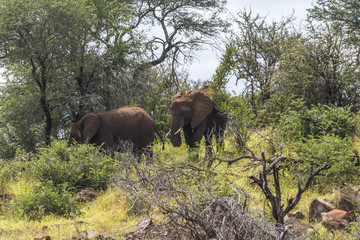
(197, 116)
(110, 129)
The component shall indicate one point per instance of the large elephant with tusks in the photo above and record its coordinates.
(111, 128)
(197, 116)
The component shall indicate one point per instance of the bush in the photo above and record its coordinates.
(316, 122)
(45, 199)
(80, 166)
(11, 170)
(332, 150)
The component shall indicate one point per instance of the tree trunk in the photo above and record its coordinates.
(41, 80)
(48, 118)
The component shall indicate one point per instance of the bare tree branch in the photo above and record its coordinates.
(275, 198)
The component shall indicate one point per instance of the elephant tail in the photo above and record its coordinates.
(157, 132)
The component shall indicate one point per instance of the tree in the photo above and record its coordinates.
(16, 129)
(35, 37)
(321, 68)
(272, 166)
(344, 12)
(185, 26)
(259, 48)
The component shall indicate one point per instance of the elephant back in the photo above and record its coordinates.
(129, 123)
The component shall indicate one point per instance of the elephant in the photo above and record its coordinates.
(109, 129)
(197, 116)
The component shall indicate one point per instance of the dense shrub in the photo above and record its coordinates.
(12, 170)
(316, 122)
(80, 166)
(58, 172)
(45, 199)
(330, 149)
(320, 135)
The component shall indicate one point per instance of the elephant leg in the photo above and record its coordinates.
(110, 147)
(137, 151)
(106, 141)
(188, 134)
(198, 132)
(193, 154)
(220, 140)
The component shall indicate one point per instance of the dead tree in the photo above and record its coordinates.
(274, 196)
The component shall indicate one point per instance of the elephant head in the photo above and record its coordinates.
(85, 129)
(190, 111)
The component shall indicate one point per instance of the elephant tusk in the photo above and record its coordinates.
(79, 134)
(168, 133)
(178, 131)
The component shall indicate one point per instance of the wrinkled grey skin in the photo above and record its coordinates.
(111, 128)
(194, 112)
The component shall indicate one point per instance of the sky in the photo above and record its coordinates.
(203, 67)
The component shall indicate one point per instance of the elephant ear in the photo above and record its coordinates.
(202, 107)
(90, 126)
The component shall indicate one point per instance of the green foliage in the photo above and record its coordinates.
(320, 69)
(235, 109)
(220, 80)
(21, 118)
(221, 76)
(316, 122)
(336, 151)
(345, 12)
(57, 173)
(259, 48)
(10, 170)
(45, 199)
(240, 116)
(7, 147)
(321, 135)
(80, 166)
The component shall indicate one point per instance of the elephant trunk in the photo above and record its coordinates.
(175, 137)
(75, 135)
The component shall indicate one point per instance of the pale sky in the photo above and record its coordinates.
(204, 66)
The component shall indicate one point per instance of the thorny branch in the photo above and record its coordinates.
(188, 206)
(275, 199)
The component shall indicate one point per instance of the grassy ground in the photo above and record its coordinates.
(109, 215)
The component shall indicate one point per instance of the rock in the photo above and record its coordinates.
(86, 195)
(145, 225)
(336, 219)
(42, 238)
(339, 214)
(318, 206)
(93, 235)
(349, 201)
